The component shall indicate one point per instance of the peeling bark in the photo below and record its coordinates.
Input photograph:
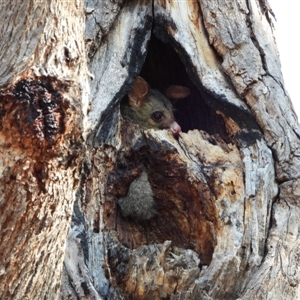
(41, 142)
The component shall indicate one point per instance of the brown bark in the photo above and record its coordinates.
(41, 142)
(226, 190)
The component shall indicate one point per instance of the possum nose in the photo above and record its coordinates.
(175, 128)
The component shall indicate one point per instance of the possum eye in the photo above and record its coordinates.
(157, 116)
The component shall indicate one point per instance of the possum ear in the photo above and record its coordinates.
(176, 92)
(138, 92)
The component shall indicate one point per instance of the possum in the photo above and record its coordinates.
(150, 110)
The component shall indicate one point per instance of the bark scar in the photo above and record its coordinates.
(37, 107)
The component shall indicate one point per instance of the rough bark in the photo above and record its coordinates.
(215, 193)
(42, 72)
(226, 190)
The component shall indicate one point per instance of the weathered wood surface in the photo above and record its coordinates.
(251, 62)
(42, 73)
(227, 217)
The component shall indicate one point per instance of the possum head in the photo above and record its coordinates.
(151, 109)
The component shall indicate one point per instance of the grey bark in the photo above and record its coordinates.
(226, 190)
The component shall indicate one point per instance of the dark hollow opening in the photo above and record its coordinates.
(163, 68)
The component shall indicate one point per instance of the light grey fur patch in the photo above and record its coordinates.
(138, 203)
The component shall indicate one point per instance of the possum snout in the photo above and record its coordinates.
(175, 128)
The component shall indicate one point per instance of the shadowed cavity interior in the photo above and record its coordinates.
(163, 68)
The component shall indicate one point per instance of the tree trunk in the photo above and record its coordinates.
(227, 218)
(42, 95)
